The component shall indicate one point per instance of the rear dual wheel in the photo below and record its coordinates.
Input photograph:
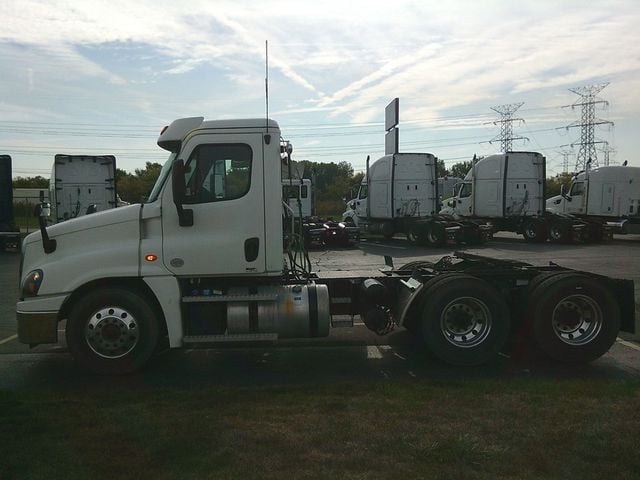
(535, 232)
(574, 318)
(465, 321)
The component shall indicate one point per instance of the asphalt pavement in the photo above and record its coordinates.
(349, 354)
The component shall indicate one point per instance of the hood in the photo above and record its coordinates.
(87, 222)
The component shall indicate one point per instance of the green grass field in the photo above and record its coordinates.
(476, 429)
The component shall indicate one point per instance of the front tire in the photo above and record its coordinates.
(465, 321)
(112, 331)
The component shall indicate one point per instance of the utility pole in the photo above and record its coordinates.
(607, 150)
(587, 156)
(506, 125)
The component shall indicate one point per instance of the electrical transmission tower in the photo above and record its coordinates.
(587, 156)
(506, 125)
(565, 159)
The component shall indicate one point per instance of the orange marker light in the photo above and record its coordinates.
(150, 257)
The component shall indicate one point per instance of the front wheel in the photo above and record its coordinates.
(112, 331)
(465, 321)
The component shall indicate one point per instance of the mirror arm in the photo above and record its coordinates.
(48, 244)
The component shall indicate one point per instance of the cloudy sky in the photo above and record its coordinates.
(102, 77)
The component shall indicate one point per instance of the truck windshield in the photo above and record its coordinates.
(577, 189)
(164, 173)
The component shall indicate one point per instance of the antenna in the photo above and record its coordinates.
(266, 79)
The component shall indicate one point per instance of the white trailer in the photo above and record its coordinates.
(608, 194)
(82, 184)
(186, 268)
(508, 190)
(399, 194)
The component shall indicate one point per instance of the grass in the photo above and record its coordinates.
(442, 430)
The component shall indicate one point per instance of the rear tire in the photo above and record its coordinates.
(535, 232)
(465, 321)
(575, 319)
(112, 331)
(435, 236)
(415, 236)
(559, 232)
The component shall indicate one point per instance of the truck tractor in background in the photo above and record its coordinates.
(609, 195)
(508, 190)
(299, 214)
(82, 184)
(9, 232)
(399, 194)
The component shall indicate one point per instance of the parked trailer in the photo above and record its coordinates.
(9, 231)
(184, 268)
(82, 184)
(399, 194)
(508, 190)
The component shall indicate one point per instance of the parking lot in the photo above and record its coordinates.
(351, 353)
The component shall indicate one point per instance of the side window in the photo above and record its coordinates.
(465, 190)
(304, 192)
(289, 191)
(218, 172)
(577, 189)
(363, 192)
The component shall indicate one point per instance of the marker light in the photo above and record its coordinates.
(150, 257)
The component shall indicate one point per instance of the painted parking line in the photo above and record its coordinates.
(628, 344)
(373, 352)
(8, 339)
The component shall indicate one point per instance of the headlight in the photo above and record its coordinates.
(31, 283)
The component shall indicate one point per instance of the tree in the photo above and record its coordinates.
(460, 169)
(31, 182)
(442, 169)
(134, 187)
(553, 184)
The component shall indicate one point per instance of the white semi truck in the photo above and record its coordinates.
(185, 268)
(82, 184)
(607, 194)
(399, 194)
(508, 190)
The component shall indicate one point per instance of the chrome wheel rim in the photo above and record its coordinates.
(466, 322)
(112, 332)
(577, 319)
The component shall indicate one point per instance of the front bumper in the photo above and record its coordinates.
(35, 328)
(37, 319)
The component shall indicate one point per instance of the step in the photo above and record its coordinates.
(239, 337)
(229, 298)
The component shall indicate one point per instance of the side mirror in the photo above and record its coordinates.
(185, 216)
(93, 208)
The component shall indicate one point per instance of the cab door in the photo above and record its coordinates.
(576, 199)
(224, 189)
